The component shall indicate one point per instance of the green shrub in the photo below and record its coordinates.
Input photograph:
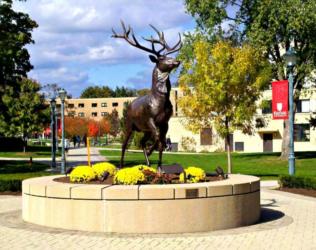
(297, 182)
(13, 182)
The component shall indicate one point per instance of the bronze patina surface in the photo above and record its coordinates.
(150, 113)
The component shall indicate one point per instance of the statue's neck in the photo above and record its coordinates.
(159, 76)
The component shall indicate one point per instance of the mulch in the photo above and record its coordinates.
(301, 191)
(109, 180)
(11, 193)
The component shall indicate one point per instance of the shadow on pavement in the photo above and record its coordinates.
(268, 215)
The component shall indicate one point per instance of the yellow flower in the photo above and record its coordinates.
(82, 174)
(101, 167)
(129, 176)
(193, 175)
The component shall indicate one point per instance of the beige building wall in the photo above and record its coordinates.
(251, 143)
(95, 108)
(178, 133)
(275, 128)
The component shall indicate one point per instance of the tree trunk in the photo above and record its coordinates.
(229, 157)
(24, 144)
(228, 147)
(285, 141)
(286, 135)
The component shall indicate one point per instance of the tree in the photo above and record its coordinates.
(15, 34)
(221, 85)
(142, 92)
(26, 111)
(124, 92)
(114, 123)
(104, 126)
(97, 92)
(105, 91)
(271, 26)
(76, 126)
(93, 128)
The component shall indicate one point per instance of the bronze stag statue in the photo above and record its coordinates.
(150, 113)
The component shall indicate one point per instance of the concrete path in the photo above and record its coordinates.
(75, 156)
(288, 222)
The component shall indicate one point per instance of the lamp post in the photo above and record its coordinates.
(290, 59)
(56, 129)
(62, 94)
(52, 130)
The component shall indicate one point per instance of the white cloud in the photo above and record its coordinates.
(74, 36)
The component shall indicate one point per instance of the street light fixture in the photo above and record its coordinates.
(62, 95)
(52, 130)
(290, 60)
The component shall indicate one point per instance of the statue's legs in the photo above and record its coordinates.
(146, 137)
(128, 134)
(162, 141)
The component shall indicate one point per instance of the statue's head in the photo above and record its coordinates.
(159, 57)
(164, 63)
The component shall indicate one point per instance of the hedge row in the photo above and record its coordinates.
(13, 182)
(297, 182)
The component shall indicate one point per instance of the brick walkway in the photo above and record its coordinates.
(288, 222)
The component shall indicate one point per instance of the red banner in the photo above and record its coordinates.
(280, 100)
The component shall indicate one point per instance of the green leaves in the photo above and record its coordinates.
(227, 81)
(26, 110)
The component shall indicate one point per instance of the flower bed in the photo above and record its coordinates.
(140, 174)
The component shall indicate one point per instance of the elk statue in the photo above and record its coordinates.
(150, 113)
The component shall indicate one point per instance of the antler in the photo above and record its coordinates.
(163, 42)
(133, 41)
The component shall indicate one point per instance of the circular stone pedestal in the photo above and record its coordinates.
(172, 208)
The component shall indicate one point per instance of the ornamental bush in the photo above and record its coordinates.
(82, 174)
(193, 175)
(101, 167)
(129, 176)
(290, 181)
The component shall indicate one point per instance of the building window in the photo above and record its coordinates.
(114, 104)
(104, 113)
(206, 136)
(94, 114)
(81, 105)
(301, 132)
(58, 106)
(71, 105)
(81, 114)
(94, 105)
(71, 113)
(302, 106)
(239, 146)
(104, 104)
(267, 107)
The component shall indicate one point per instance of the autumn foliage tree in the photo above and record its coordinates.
(93, 128)
(76, 126)
(221, 85)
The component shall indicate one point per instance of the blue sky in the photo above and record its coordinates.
(73, 45)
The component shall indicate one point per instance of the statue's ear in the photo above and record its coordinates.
(153, 59)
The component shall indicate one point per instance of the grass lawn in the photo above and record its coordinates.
(264, 165)
(13, 172)
(31, 151)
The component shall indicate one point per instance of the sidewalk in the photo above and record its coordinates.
(75, 156)
(288, 222)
